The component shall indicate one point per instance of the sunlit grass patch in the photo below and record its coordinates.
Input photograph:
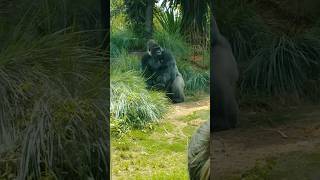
(157, 153)
(200, 114)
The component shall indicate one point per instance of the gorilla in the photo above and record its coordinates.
(225, 108)
(161, 72)
(224, 77)
(199, 153)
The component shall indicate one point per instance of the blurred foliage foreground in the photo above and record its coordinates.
(53, 100)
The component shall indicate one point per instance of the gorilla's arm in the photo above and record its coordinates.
(148, 74)
(168, 70)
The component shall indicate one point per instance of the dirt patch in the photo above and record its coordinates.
(185, 108)
(236, 151)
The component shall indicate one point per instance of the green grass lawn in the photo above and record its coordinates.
(156, 153)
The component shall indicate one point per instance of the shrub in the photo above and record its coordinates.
(282, 65)
(132, 105)
(242, 27)
(195, 79)
(169, 22)
(175, 43)
(124, 62)
(52, 101)
(125, 39)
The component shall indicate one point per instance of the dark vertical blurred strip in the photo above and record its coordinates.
(211, 86)
(105, 24)
(105, 21)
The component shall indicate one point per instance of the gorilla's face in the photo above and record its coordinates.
(154, 49)
(156, 53)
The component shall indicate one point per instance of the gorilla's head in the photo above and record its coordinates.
(153, 48)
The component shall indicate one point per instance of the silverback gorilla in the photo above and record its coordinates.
(161, 72)
(224, 77)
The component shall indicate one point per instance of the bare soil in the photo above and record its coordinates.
(238, 150)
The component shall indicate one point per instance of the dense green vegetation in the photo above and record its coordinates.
(277, 46)
(52, 91)
(132, 105)
(143, 136)
(277, 54)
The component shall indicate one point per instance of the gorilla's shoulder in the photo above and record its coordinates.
(167, 53)
(168, 56)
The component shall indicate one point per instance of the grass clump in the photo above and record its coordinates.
(132, 105)
(52, 105)
(282, 66)
(272, 60)
(196, 80)
(175, 43)
(126, 39)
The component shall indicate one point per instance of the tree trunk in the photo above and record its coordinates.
(149, 19)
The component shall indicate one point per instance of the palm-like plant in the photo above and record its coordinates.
(195, 14)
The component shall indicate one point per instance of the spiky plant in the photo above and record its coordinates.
(132, 105)
(169, 21)
(282, 65)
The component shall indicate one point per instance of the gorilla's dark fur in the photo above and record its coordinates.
(224, 78)
(224, 111)
(161, 72)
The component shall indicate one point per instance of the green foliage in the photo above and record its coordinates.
(125, 62)
(169, 22)
(175, 43)
(142, 154)
(132, 105)
(194, 14)
(36, 18)
(51, 92)
(136, 11)
(271, 61)
(118, 19)
(195, 79)
(125, 39)
(244, 29)
(282, 65)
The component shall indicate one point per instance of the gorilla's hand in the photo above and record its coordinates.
(160, 86)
